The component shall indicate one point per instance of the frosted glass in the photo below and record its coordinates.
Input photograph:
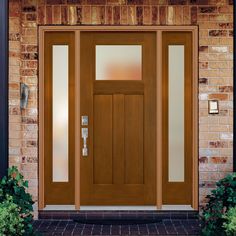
(118, 62)
(176, 113)
(60, 113)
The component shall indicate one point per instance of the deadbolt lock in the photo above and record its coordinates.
(84, 120)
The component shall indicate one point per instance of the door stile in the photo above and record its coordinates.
(77, 119)
(41, 204)
(159, 118)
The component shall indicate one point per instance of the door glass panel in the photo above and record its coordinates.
(118, 62)
(60, 113)
(176, 113)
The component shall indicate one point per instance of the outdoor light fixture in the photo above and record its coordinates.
(24, 95)
(213, 107)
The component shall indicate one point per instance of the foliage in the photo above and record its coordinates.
(11, 223)
(14, 185)
(230, 224)
(219, 202)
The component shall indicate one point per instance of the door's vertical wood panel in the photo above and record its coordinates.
(86, 97)
(58, 192)
(178, 192)
(102, 139)
(150, 116)
(134, 139)
(118, 139)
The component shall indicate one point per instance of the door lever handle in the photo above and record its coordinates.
(84, 132)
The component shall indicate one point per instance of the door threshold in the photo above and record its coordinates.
(59, 208)
(118, 208)
(177, 208)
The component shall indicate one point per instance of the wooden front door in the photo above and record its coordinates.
(120, 166)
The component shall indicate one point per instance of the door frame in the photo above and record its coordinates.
(158, 30)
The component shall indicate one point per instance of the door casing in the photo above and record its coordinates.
(158, 30)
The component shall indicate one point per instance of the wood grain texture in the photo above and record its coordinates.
(178, 192)
(118, 138)
(134, 137)
(122, 127)
(102, 140)
(58, 192)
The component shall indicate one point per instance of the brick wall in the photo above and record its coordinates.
(215, 20)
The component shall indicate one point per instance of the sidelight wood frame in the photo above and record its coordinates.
(158, 30)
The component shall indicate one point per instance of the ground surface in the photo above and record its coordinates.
(165, 227)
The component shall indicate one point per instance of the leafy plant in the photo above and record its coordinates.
(219, 202)
(230, 224)
(14, 185)
(11, 223)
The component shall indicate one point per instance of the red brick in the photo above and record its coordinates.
(226, 25)
(139, 15)
(15, 9)
(64, 15)
(41, 15)
(154, 15)
(48, 15)
(177, 2)
(203, 160)
(178, 15)
(219, 96)
(131, 15)
(203, 49)
(98, 15)
(135, 2)
(86, 14)
(186, 17)
(218, 33)
(56, 15)
(218, 160)
(199, 2)
(79, 15)
(209, 9)
(228, 89)
(116, 15)
(162, 15)
(96, 2)
(28, 8)
(124, 15)
(194, 15)
(146, 15)
(116, 2)
(54, 2)
(14, 37)
(31, 17)
(76, 2)
(109, 18)
(218, 144)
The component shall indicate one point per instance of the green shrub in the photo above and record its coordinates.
(11, 223)
(219, 202)
(230, 224)
(14, 185)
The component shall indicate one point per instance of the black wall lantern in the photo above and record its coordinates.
(24, 95)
